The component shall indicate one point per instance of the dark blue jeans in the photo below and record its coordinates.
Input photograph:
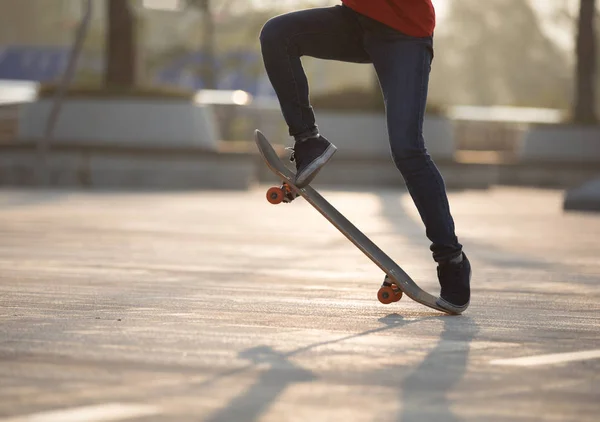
(402, 64)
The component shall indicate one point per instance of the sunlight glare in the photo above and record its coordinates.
(163, 4)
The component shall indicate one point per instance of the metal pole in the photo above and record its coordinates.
(43, 146)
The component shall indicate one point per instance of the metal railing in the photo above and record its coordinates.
(43, 146)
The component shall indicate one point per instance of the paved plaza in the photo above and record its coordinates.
(219, 307)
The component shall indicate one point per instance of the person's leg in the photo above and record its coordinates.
(403, 65)
(328, 33)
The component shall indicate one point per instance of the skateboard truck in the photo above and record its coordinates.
(389, 292)
(281, 194)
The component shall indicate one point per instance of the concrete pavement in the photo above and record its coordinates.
(216, 306)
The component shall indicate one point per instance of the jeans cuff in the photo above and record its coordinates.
(310, 133)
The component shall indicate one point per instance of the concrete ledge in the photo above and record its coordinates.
(100, 167)
(471, 170)
(560, 143)
(127, 122)
(584, 198)
(238, 166)
(550, 175)
(366, 133)
(362, 171)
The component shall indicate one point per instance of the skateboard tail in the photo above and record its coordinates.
(397, 275)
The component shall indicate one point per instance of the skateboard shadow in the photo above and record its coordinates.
(389, 322)
(282, 373)
(424, 393)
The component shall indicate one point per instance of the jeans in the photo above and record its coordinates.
(402, 64)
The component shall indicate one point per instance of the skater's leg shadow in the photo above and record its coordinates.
(425, 391)
(251, 404)
(282, 373)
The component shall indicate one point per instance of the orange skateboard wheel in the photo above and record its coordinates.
(275, 195)
(387, 295)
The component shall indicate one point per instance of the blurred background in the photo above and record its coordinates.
(513, 95)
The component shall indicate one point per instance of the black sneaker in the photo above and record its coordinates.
(310, 156)
(455, 278)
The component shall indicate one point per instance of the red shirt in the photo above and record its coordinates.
(411, 17)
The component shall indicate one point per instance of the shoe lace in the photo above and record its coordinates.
(292, 154)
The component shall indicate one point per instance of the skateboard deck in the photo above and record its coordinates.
(396, 280)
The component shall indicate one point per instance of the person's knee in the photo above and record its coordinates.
(274, 30)
(409, 159)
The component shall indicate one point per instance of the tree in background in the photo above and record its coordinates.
(498, 55)
(121, 51)
(208, 71)
(585, 83)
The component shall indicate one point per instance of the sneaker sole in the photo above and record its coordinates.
(450, 307)
(310, 172)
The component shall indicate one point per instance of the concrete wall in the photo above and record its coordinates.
(347, 171)
(119, 168)
(365, 134)
(554, 156)
(550, 175)
(560, 143)
(124, 122)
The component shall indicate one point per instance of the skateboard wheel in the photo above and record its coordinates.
(275, 195)
(387, 295)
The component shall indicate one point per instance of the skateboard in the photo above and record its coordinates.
(396, 281)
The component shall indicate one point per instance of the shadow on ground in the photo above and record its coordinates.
(443, 367)
(424, 392)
